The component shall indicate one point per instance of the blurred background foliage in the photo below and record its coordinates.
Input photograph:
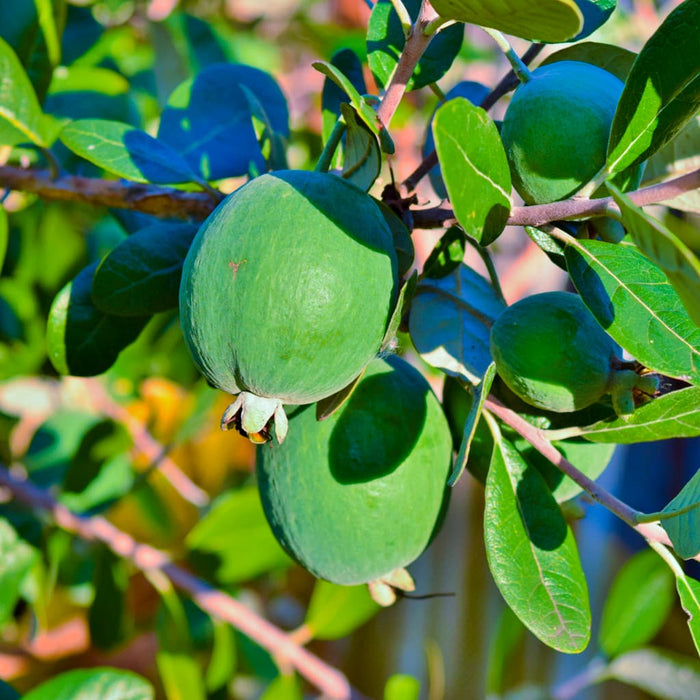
(141, 444)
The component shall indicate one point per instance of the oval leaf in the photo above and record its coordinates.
(125, 151)
(662, 91)
(103, 683)
(532, 553)
(141, 276)
(547, 20)
(450, 322)
(689, 593)
(474, 167)
(662, 246)
(82, 340)
(632, 299)
(633, 614)
(684, 530)
(386, 41)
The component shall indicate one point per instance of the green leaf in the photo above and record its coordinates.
(659, 672)
(634, 613)
(7, 692)
(480, 393)
(284, 687)
(547, 20)
(506, 635)
(614, 59)
(363, 157)
(16, 559)
(632, 299)
(662, 91)
(450, 322)
(49, 28)
(81, 340)
(684, 530)
(674, 415)
(85, 684)
(386, 41)
(660, 245)
(335, 611)
(679, 156)
(141, 276)
(107, 614)
(332, 95)
(128, 152)
(532, 553)
(402, 687)
(403, 243)
(447, 255)
(363, 109)
(474, 167)
(4, 235)
(222, 664)
(233, 541)
(689, 593)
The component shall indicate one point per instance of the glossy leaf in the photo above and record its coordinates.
(634, 613)
(659, 672)
(363, 158)
(450, 322)
(684, 530)
(335, 611)
(16, 559)
(659, 244)
(386, 41)
(141, 276)
(532, 553)
(632, 299)
(208, 120)
(474, 167)
(233, 541)
(81, 340)
(103, 683)
(332, 95)
(549, 20)
(689, 593)
(674, 415)
(21, 118)
(614, 59)
(125, 151)
(402, 687)
(662, 91)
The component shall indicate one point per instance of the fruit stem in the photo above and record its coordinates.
(521, 71)
(666, 514)
(326, 158)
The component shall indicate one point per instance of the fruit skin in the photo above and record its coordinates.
(556, 128)
(552, 353)
(288, 288)
(357, 495)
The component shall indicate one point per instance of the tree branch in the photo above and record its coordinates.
(328, 679)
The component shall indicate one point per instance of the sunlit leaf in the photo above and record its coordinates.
(532, 553)
(16, 559)
(689, 593)
(402, 687)
(103, 683)
(634, 613)
(662, 91)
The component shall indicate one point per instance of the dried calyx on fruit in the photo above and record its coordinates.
(286, 294)
(358, 496)
(552, 353)
(556, 129)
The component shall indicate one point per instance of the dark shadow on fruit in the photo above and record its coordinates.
(540, 513)
(368, 440)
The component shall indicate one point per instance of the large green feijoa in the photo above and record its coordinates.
(556, 128)
(552, 353)
(360, 494)
(286, 293)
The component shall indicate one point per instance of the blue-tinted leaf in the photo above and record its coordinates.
(125, 151)
(684, 530)
(332, 96)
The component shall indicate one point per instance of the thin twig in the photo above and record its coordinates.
(222, 606)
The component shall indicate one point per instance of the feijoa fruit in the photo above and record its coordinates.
(286, 293)
(556, 129)
(358, 495)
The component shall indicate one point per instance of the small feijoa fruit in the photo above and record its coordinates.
(556, 129)
(356, 496)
